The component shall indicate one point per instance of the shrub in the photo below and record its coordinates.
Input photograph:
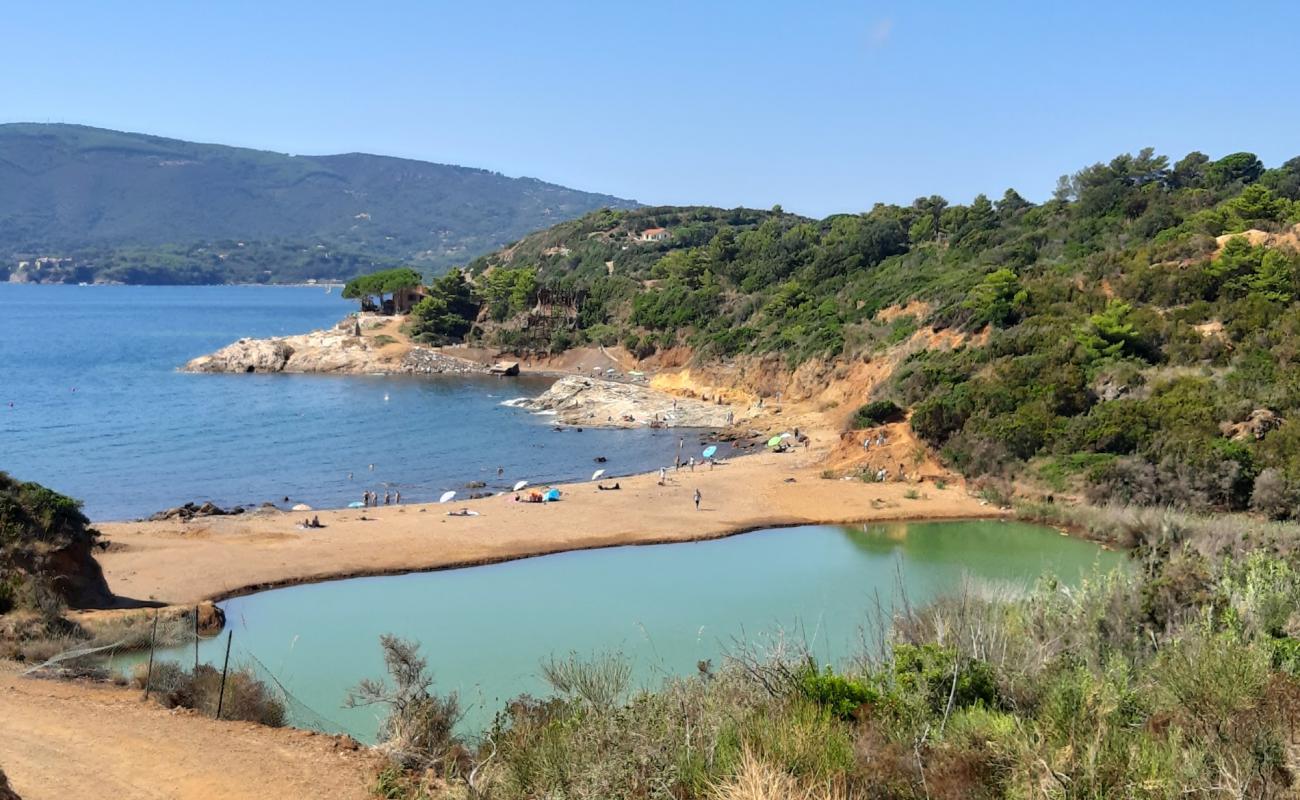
(877, 412)
(840, 695)
(418, 731)
(1273, 495)
(246, 697)
(599, 682)
(933, 674)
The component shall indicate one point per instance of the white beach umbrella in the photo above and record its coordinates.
(595, 476)
(520, 485)
(446, 496)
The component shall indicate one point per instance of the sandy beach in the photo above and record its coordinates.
(218, 557)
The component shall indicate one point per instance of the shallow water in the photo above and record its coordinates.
(486, 629)
(91, 404)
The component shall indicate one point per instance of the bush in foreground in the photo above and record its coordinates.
(246, 697)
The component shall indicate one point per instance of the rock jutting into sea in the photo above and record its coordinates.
(587, 401)
(338, 350)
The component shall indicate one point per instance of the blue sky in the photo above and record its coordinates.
(821, 107)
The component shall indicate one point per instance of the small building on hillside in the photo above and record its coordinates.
(655, 235)
(404, 300)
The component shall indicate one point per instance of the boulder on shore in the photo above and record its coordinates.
(245, 355)
(588, 401)
(191, 510)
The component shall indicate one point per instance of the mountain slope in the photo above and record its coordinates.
(1136, 337)
(68, 186)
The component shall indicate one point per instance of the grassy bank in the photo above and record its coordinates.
(1172, 680)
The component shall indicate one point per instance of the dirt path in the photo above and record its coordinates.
(64, 740)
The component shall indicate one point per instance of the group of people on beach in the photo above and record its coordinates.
(369, 498)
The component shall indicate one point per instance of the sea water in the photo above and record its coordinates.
(92, 405)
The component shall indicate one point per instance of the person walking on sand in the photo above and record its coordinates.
(692, 463)
(663, 476)
(698, 496)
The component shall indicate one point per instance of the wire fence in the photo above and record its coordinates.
(175, 640)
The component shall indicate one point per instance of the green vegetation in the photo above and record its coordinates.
(1172, 679)
(1122, 350)
(370, 289)
(144, 209)
(877, 412)
(45, 550)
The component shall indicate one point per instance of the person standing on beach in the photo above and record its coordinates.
(697, 499)
(692, 463)
(397, 498)
(663, 476)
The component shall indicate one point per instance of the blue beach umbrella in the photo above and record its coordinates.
(710, 450)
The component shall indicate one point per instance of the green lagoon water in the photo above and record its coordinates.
(665, 607)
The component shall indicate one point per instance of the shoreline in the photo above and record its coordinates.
(218, 558)
(245, 591)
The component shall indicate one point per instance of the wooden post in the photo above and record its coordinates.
(221, 698)
(153, 637)
(196, 638)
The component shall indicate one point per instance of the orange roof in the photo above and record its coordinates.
(649, 231)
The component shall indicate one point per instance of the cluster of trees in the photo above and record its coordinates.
(1122, 338)
(373, 288)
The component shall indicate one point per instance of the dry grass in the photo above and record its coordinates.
(756, 779)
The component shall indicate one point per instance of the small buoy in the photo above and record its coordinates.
(385, 397)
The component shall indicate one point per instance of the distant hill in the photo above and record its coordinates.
(64, 187)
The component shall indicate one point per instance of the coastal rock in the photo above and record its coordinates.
(340, 349)
(192, 510)
(588, 401)
(245, 355)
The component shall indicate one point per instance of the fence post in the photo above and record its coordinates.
(196, 638)
(221, 698)
(153, 637)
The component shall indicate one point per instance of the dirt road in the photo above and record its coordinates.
(67, 740)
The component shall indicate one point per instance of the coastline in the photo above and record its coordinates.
(216, 558)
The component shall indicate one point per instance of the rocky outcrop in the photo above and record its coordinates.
(246, 355)
(587, 401)
(191, 510)
(1254, 427)
(47, 543)
(342, 349)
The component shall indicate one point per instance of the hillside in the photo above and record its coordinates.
(45, 550)
(70, 189)
(1116, 346)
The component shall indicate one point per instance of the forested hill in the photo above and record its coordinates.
(1126, 334)
(66, 188)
